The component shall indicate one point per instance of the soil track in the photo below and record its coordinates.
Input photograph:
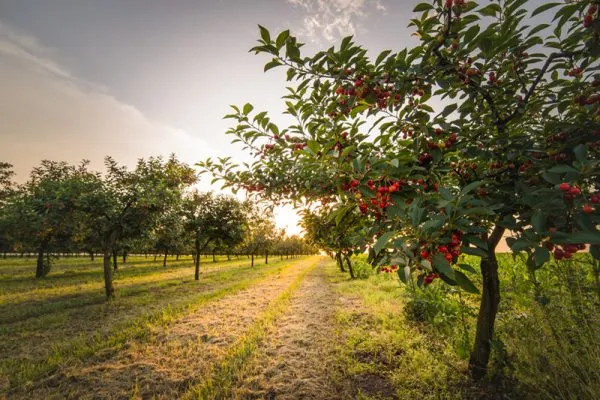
(297, 359)
(177, 357)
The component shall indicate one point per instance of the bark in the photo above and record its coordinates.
(197, 247)
(155, 256)
(490, 299)
(91, 256)
(108, 285)
(124, 256)
(40, 270)
(349, 267)
(165, 259)
(252, 256)
(177, 257)
(213, 254)
(340, 263)
(266, 257)
(114, 259)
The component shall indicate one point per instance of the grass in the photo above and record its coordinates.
(396, 342)
(381, 353)
(69, 322)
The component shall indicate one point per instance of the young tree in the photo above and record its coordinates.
(488, 124)
(261, 232)
(49, 217)
(128, 204)
(213, 218)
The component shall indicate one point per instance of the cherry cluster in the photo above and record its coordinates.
(450, 250)
(564, 251)
(389, 270)
(590, 16)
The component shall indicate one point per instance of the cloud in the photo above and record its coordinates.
(47, 112)
(331, 19)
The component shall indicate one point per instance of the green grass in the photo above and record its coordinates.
(416, 343)
(69, 321)
(384, 353)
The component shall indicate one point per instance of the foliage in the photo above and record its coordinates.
(488, 124)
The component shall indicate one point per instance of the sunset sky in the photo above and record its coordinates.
(82, 79)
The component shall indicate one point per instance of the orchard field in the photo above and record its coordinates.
(293, 328)
(409, 168)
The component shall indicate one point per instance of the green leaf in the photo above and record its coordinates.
(468, 268)
(442, 265)
(541, 255)
(474, 251)
(449, 109)
(422, 7)
(383, 241)
(272, 64)
(538, 221)
(580, 153)
(264, 34)
(490, 10)
(562, 169)
(382, 56)
(543, 8)
(465, 283)
(247, 108)
(281, 38)
(471, 33)
(583, 237)
(416, 215)
(470, 187)
(404, 274)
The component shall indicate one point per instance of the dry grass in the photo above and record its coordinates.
(72, 328)
(297, 359)
(175, 356)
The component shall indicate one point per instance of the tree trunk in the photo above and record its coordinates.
(40, 270)
(252, 265)
(340, 263)
(213, 254)
(91, 256)
(490, 299)
(165, 259)
(108, 285)
(228, 257)
(114, 257)
(155, 256)
(266, 257)
(349, 267)
(124, 256)
(197, 246)
(177, 257)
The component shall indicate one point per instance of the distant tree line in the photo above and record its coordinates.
(151, 209)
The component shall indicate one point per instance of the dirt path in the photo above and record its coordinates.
(297, 357)
(175, 358)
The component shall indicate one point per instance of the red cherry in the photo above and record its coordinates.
(588, 209)
(354, 183)
(448, 257)
(564, 187)
(575, 191)
(424, 254)
(443, 249)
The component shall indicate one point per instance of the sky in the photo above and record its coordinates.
(82, 79)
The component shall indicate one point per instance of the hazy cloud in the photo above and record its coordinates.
(47, 112)
(331, 19)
